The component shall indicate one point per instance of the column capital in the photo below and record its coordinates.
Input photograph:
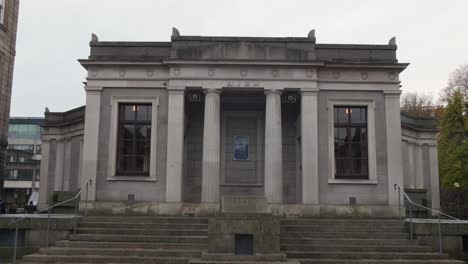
(93, 89)
(176, 91)
(312, 92)
(392, 93)
(273, 91)
(211, 90)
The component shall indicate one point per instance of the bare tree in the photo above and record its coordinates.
(418, 105)
(458, 81)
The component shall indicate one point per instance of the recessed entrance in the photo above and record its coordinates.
(244, 244)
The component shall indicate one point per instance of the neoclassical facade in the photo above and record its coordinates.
(176, 127)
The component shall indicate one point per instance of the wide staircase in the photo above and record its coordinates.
(101, 239)
(321, 241)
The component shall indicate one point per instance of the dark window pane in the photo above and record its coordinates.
(142, 113)
(142, 132)
(350, 137)
(128, 131)
(134, 137)
(358, 115)
(141, 163)
(126, 147)
(341, 115)
(141, 148)
(128, 112)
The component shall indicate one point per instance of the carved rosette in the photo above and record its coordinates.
(275, 73)
(149, 72)
(177, 71)
(336, 75)
(211, 72)
(364, 75)
(244, 72)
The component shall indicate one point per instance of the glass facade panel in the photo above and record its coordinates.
(26, 131)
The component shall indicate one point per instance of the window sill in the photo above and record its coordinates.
(364, 182)
(241, 185)
(132, 178)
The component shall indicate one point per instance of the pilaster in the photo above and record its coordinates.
(419, 167)
(393, 132)
(175, 143)
(309, 147)
(434, 174)
(91, 139)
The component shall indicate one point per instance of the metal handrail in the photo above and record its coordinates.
(411, 203)
(48, 209)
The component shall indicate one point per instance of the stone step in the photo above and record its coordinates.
(129, 225)
(347, 241)
(342, 222)
(377, 261)
(41, 258)
(139, 238)
(199, 261)
(149, 232)
(366, 229)
(121, 252)
(363, 255)
(356, 248)
(144, 219)
(131, 245)
(344, 235)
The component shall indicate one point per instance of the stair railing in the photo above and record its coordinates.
(75, 198)
(401, 191)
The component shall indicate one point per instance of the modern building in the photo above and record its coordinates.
(181, 127)
(8, 26)
(23, 160)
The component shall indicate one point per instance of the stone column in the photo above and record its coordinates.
(175, 144)
(44, 176)
(411, 165)
(419, 180)
(434, 192)
(91, 139)
(393, 131)
(309, 147)
(211, 147)
(273, 148)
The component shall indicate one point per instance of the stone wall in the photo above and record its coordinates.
(62, 144)
(420, 161)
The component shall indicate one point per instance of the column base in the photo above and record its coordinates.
(211, 209)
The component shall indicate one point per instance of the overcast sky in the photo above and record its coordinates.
(53, 34)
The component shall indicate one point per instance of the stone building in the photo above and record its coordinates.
(182, 127)
(23, 161)
(8, 26)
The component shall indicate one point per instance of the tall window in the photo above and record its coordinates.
(134, 139)
(350, 132)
